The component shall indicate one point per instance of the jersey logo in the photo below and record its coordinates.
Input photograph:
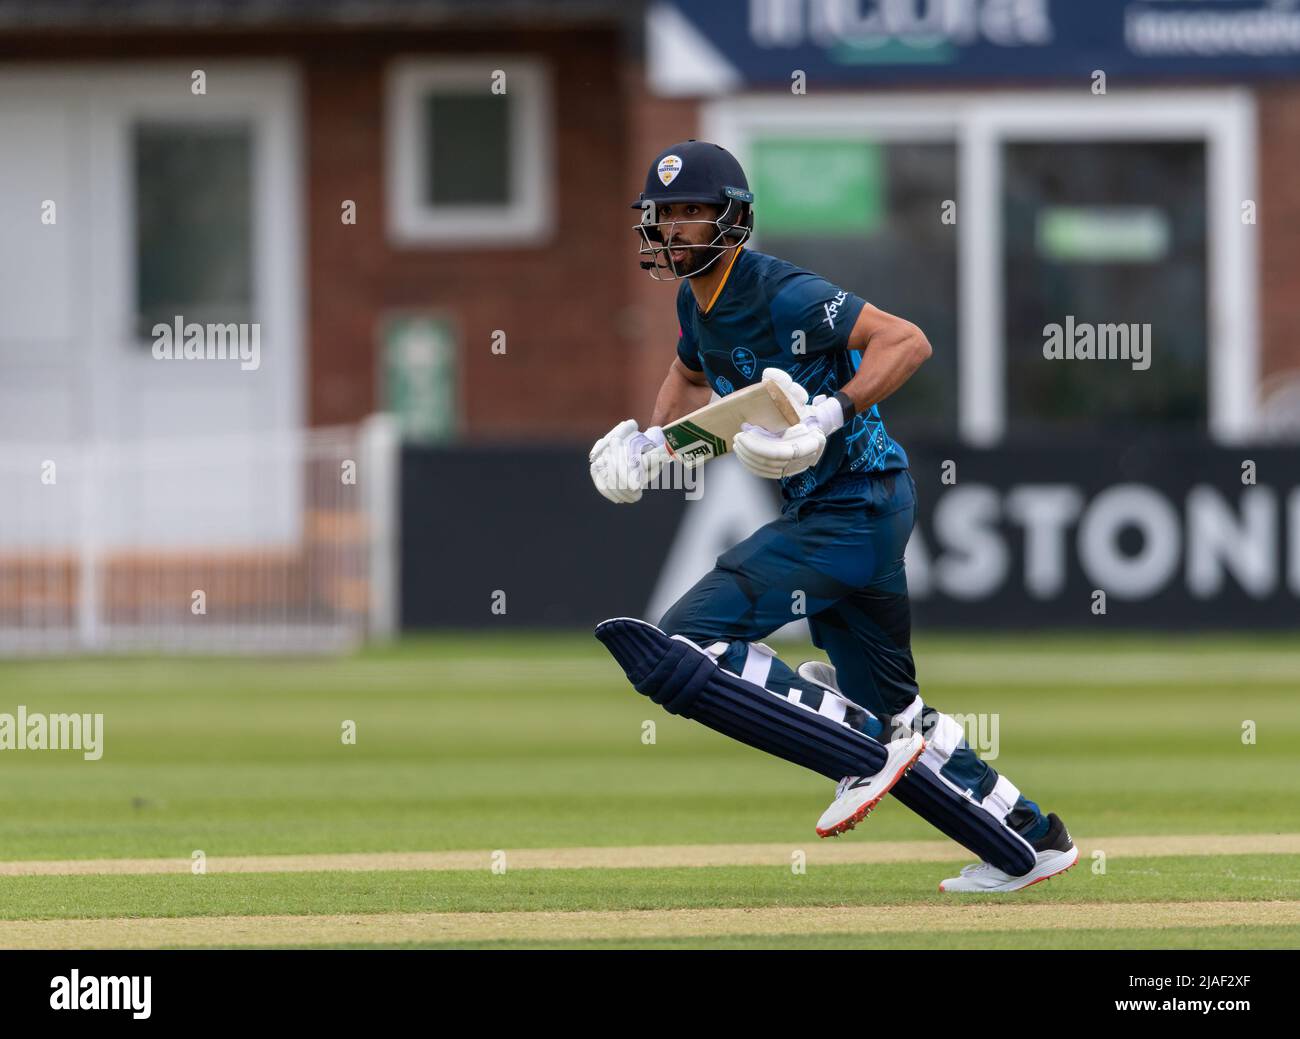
(745, 361)
(723, 385)
(669, 167)
(833, 308)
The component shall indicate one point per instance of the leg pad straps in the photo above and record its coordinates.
(685, 680)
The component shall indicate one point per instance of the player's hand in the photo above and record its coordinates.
(625, 460)
(774, 455)
(824, 413)
(777, 455)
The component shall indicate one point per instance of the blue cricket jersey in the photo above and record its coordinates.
(754, 323)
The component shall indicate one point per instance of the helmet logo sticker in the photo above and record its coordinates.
(669, 167)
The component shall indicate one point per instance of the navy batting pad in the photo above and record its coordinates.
(685, 680)
(965, 821)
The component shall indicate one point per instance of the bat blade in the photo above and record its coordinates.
(709, 431)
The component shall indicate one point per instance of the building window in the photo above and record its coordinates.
(1110, 235)
(469, 152)
(864, 214)
(193, 223)
(1121, 222)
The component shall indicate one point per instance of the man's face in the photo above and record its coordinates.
(694, 225)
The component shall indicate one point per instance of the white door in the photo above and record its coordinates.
(171, 205)
(44, 237)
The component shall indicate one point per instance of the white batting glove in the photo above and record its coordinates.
(774, 455)
(625, 460)
(777, 455)
(825, 413)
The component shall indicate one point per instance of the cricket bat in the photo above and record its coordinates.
(708, 431)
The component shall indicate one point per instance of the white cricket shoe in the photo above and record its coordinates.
(855, 796)
(1056, 854)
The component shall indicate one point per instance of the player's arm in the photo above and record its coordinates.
(684, 390)
(892, 350)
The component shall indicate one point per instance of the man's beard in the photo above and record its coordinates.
(696, 258)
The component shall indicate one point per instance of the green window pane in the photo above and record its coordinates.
(193, 223)
(468, 149)
(832, 187)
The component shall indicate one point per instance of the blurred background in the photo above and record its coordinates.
(422, 208)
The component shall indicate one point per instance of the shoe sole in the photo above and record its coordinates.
(1020, 887)
(864, 810)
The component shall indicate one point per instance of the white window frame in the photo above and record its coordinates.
(527, 217)
(979, 124)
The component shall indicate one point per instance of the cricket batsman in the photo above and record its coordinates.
(848, 508)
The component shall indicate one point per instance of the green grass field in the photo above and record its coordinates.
(468, 746)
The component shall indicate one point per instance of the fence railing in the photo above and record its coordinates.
(247, 543)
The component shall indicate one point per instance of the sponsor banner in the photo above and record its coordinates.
(701, 48)
(517, 536)
(1026, 536)
(1175, 534)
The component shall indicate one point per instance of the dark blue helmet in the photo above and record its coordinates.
(693, 171)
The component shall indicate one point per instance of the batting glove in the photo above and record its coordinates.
(625, 460)
(774, 456)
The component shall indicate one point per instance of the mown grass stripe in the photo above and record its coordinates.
(631, 924)
(1144, 938)
(1243, 879)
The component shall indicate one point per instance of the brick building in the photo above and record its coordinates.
(103, 98)
(521, 239)
(421, 206)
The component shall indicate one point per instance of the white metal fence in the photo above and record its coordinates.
(246, 543)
